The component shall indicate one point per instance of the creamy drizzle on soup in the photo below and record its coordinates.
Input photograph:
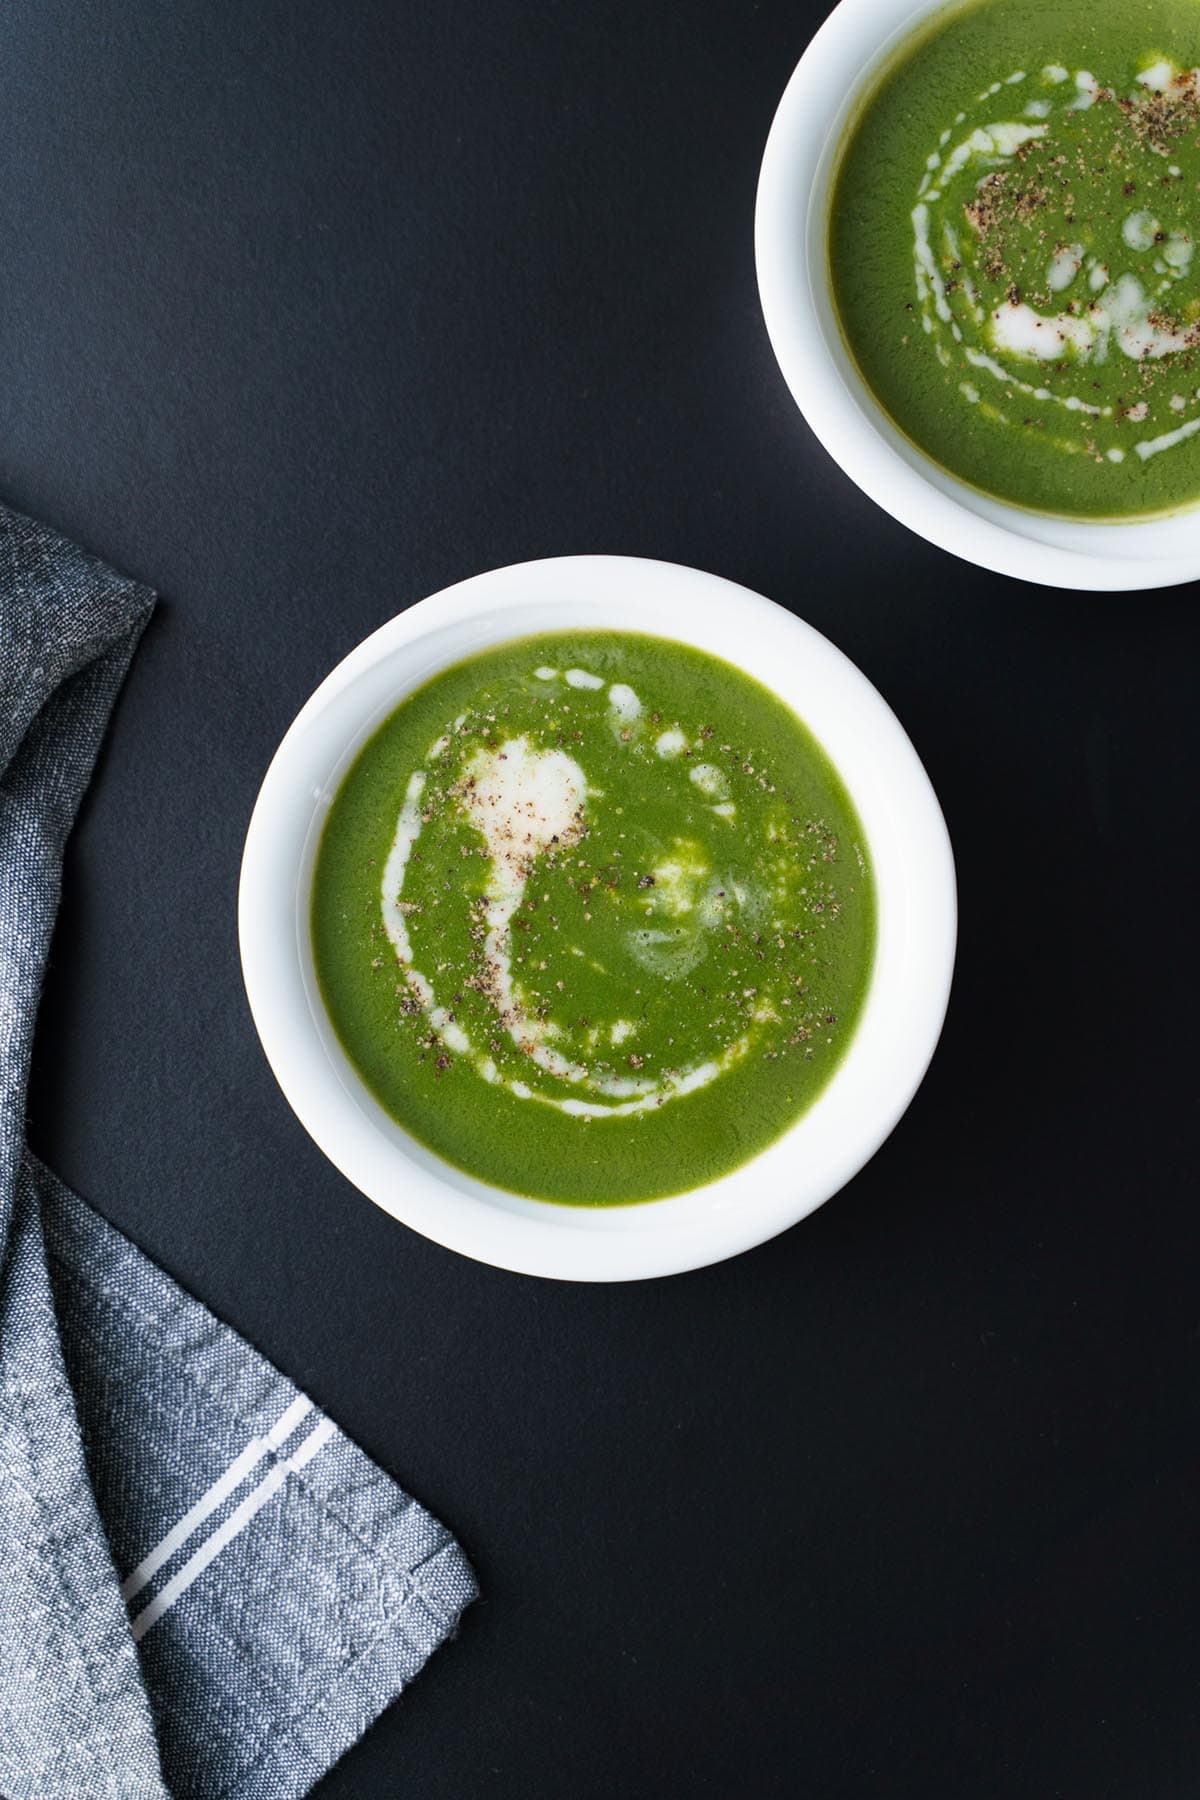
(1012, 247)
(986, 219)
(574, 889)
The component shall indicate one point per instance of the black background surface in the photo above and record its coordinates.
(307, 310)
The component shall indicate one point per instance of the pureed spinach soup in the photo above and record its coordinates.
(1013, 250)
(593, 918)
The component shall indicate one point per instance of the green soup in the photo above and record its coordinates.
(1013, 250)
(592, 917)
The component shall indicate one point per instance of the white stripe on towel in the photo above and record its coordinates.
(220, 1490)
(232, 1527)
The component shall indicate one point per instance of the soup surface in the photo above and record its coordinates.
(1013, 250)
(592, 916)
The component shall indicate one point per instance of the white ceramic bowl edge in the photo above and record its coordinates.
(798, 169)
(911, 859)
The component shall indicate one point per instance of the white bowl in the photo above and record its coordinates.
(801, 159)
(908, 848)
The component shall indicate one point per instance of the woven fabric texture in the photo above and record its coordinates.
(209, 1592)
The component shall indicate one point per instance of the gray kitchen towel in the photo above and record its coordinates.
(206, 1591)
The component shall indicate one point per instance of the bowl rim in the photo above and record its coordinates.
(801, 156)
(916, 899)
